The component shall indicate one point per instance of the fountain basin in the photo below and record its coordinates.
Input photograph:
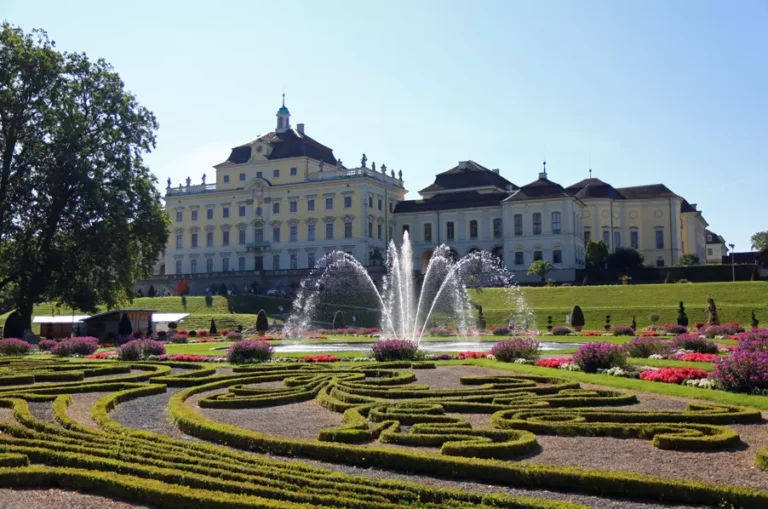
(431, 346)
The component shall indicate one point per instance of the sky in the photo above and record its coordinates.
(641, 92)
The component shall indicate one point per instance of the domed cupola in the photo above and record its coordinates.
(283, 118)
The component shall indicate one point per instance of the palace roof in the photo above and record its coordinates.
(451, 201)
(468, 175)
(540, 189)
(287, 144)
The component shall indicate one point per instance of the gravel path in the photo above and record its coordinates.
(47, 499)
(149, 414)
(43, 410)
(80, 408)
(6, 415)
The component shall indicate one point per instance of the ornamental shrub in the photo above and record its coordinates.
(179, 339)
(249, 350)
(234, 336)
(593, 356)
(561, 330)
(577, 317)
(694, 343)
(644, 347)
(622, 330)
(262, 323)
(745, 369)
(14, 346)
(85, 345)
(673, 328)
(728, 329)
(394, 350)
(46, 344)
(212, 328)
(516, 348)
(140, 349)
(502, 331)
(124, 327)
(192, 333)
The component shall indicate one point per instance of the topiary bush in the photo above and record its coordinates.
(395, 350)
(14, 346)
(510, 350)
(249, 350)
(192, 333)
(212, 329)
(83, 346)
(140, 349)
(593, 356)
(577, 318)
(694, 343)
(262, 322)
(644, 347)
(125, 327)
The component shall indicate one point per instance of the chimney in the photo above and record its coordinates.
(462, 165)
(495, 170)
(300, 128)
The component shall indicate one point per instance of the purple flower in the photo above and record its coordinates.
(139, 349)
(593, 356)
(14, 346)
(516, 348)
(85, 345)
(644, 346)
(249, 350)
(394, 350)
(693, 342)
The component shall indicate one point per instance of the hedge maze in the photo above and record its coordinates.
(381, 403)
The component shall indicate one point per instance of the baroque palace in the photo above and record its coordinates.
(283, 200)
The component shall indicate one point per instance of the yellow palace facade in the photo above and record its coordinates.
(279, 203)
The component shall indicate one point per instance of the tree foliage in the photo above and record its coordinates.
(80, 219)
(124, 327)
(688, 259)
(540, 268)
(262, 323)
(577, 317)
(760, 241)
(625, 258)
(596, 254)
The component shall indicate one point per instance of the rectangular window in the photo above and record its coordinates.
(556, 222)
(557, 256)
(379, 231)
(276, 234)
(518, 225)
(329, 230)
(242, 177)
(473, 229)
(194, 240)
(259, 174)
(194, 215)
(347, 230)
(519, 258)
(225, 212)
(537, 223)
(310, 232)
(587, 235)
(225, 264)
(193, 267)
(347, 202)
(241, 211)
(225, 238)
(660, 262)
(294, 233)
(294, 207)
(209, 214)
(178, 266)
(370, 230)
(450, 233)
(294, 260)
(311, 259)
(209, 239)
(241, 237)
(380, 203)
(226, 179)
(241, 263)
(709, 251)
(660, 239)
(276, 208)
(428, 232)
(709, 238)
(329, 204)
(497, 228)
(606, 237)
(616, 239)
(179, 241)
(537, 256)
(275, 260)
(294, 172)
(258, 234)
(311, 205)
(275, 173)
(179, 216)
(370, 201)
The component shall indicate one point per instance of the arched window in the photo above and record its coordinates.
(279, 122)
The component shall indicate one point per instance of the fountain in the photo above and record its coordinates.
(338, 279)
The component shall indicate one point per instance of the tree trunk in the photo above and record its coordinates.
(25, 311)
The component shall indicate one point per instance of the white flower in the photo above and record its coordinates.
(656, 356)
(523, 361)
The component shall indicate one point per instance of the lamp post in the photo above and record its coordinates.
(733, 267)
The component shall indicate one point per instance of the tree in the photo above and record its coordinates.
(688, 259)
(338, 320)
(124, 328)
(212, 330)
(262, 323)
(540, 268)
(595, 254)
(760, 241)
(80, 219)
(151, 292)
(14, 326)
(577, 318)
(625, 258)
(682, 318)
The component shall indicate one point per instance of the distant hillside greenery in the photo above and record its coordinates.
(735, 302)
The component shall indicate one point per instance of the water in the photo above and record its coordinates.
(339, 279)
(428, 346)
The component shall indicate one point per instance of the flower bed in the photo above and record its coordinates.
(442, 332)
(471, 355)
(517, 348)
(561, 330)
(694, 343)
(726, 330)
(673, 328)
(593, 356)
(554, 363)
(14, 346)
(644, 347)
(76, 346)
(249, 350)
(46, 344)
(697, 357)
(622, 330)
(591, 334)
(394, 350)
(673, 375)
(140, 349)
(320, 358)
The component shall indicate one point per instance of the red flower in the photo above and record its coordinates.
(673, 375)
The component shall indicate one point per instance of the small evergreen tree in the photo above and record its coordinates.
(577, 317)
(212, 329)
(755, 322)
(338, 320)
(223, 290)
(262, 322)
(607, 322)
(634, 323)
(152, 292)
(682, 318)
(14, 326)
(124, 328)
(208, 300)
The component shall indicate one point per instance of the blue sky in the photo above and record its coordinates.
(641, 92)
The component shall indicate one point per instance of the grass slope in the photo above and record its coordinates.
(735, 302)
